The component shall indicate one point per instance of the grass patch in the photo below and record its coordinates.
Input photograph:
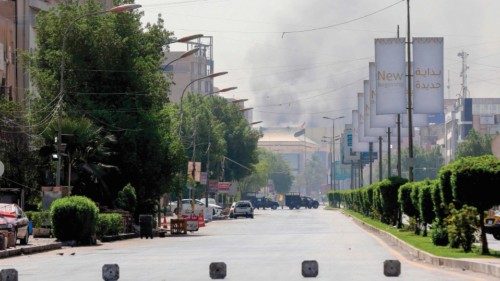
(423, 243)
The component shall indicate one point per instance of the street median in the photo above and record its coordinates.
(29, 250)
(476, 266)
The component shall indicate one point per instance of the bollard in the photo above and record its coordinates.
(392, 268)
(310, 269)
(8, 274)
(110, 272)
(218, 270)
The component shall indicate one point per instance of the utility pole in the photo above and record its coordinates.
(370, 145)
(389, 152)
(410, 109)
(399, 137)
(380, 158)
(333, 154)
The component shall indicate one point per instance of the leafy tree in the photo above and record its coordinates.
(314, 175)
(426, 162)
(476, 182)
(405, 199)
(112, 77)
(19, 160)
(474, 145)
(127, 199)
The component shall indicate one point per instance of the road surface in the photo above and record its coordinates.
(269, 247)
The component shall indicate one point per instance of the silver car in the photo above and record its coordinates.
(241, 209)
(13, 217)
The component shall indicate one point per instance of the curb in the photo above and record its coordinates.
(118, 237)
(29, 250)
(484, 268)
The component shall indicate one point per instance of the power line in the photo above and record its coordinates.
(341, 23)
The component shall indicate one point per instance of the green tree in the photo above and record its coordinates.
(314, 175)
(426, 162)
(425, 204)
(474, 145)
(113, 78)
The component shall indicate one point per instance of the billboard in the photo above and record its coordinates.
(390, 66)
(357, 145)
(428, 78)
(347, 154)
(368, 130)
(377, 120)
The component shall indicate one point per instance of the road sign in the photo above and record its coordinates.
(203, 178)
(2, 168)
(223, 186)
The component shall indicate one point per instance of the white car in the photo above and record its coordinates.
(241, 209)
(186, 209)
(213, 208)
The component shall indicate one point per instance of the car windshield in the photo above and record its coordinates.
(250, 139)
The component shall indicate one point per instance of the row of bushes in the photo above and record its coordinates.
(77, 218)
(468, 185)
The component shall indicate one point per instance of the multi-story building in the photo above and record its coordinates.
(7, 47)
(184, 71)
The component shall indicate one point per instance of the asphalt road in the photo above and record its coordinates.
(269, 247)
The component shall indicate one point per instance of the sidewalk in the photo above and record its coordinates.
(481, 265)
(35, 245)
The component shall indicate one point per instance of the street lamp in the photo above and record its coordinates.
(116, 10)
(332, 174)
(223, 90)
(184, 55)
(213, 75)
(186, 39)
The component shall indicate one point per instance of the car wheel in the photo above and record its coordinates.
(274, 207)
(496, 235)
(291, 207)
(25, 240)
(251, 216)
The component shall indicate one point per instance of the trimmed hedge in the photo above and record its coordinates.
(74, 218)
(109, 224)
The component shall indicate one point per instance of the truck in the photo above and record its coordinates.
(293, 200)
(260, 201)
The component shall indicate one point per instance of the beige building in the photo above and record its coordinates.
(7, 47)
(182, 71)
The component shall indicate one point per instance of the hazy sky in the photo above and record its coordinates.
(304, 76)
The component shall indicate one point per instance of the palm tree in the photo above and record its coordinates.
(87, 149)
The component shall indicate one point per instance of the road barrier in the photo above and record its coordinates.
(392, 268)
(9, 274)
(110, 272)
(310, 268)
(218, 270)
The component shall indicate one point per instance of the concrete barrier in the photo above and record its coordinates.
(310, 268)
(29, 250)
(110, 272)
(9, 274)
(489, 269)
(218, 270)
(392, 268)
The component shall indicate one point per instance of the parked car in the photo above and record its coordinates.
(215, 209)
(13, 215)
(186, 208)
(241, 209)
(492, 224)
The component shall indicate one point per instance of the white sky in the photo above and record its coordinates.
(318, 73)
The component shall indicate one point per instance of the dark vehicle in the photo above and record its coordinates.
(260, 202)
(14, 218)
(293, 200)
(309, 203)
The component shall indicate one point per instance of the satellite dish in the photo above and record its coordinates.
(2, 168)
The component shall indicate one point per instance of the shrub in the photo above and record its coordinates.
(439, 233)
(74, 218)
(425, 206)
(39, 219)
(127, 199)
(461, 225)
(109, 224)
(414, 195)
(445, 184)
(439, 206)
(404, 199)
(389, 197)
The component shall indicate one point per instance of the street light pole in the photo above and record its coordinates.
(116, 10)
(333, 145)
(410, 116)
